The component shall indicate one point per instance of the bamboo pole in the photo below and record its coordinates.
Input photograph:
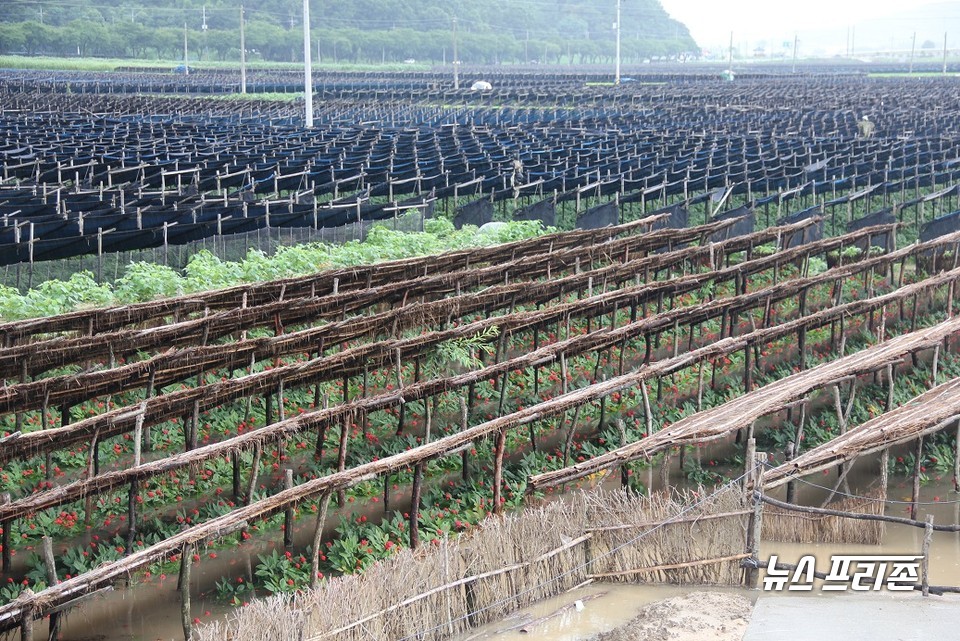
(671, 566)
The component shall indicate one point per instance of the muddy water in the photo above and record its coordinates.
(150, 611)
(605, 607)
(619, 603)
(144, 612)
(938, 498)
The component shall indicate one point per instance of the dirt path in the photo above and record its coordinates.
(693, 617)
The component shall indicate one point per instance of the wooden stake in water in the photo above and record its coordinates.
(925, 563)
(186, 560)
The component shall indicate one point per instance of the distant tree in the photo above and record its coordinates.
(167, 42)
(38, 37)
(224, 43)
(359, 30)
(272, 41)
(87, 36)
(12, 37)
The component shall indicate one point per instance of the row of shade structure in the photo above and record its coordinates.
(99, 178)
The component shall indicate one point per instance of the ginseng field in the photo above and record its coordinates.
(723, 253)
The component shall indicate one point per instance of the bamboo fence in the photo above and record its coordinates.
(510, 563)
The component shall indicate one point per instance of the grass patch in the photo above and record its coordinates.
(110, 64)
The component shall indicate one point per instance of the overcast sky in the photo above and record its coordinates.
(711, 21)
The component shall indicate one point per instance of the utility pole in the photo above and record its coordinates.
(307, 67)
(186, 64)
(616, 78)
(456, 60)
(913, 49)
(796, 41)
(944, 53)
(203, 28)
(243, 56)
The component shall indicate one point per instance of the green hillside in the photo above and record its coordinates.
(489, 31)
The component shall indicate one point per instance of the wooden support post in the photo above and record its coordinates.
(925, 562)
(148, 393)
(793, 450)
(747, 370)
(342, 456)
(915, 493)
(26, 618)
(7, 553)
(64, 415)
(51, 568)
(186, 561)
(890, 382)
(94, 469)
(956, 466)
(318, 539)
(465, 455)
(748, 463)
(254, 473)
(802, 347)
(415, 506)
(386, 494)
(665, 472)
(403, 413)
(48, 464)
(936, 362)
(498, 469)
(624, 469)
(884, 470)
(288, 513)
(700, 386)
(502, 396)
(235, 460)
(132, 496)
(194, 426)
(321, 434)
(647, 412)
(754, 496)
